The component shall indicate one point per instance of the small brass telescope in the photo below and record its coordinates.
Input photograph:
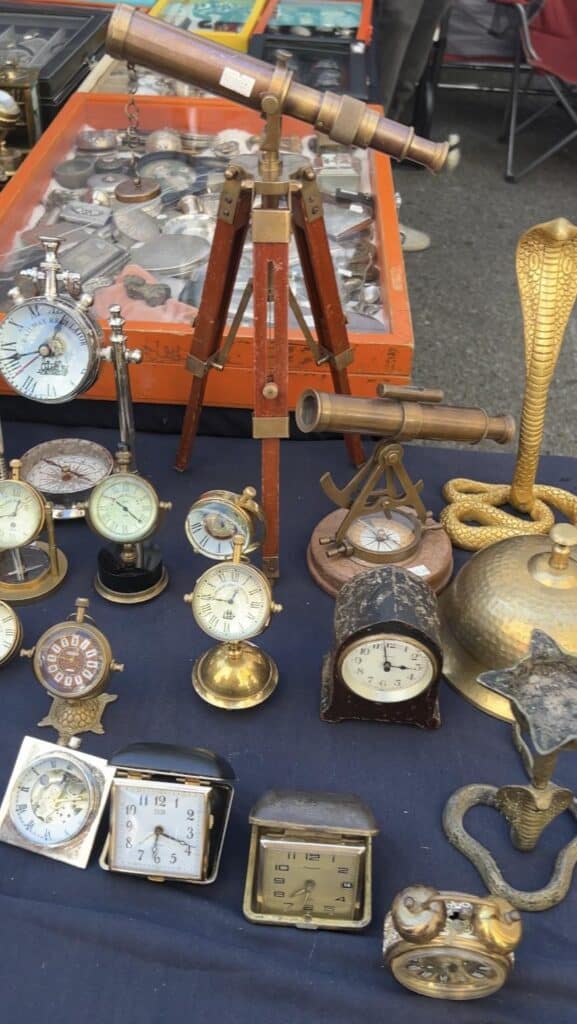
(140, 39)
(401, 414)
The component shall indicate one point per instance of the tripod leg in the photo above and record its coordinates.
(322, 289)
(271, 422)
(210, 323)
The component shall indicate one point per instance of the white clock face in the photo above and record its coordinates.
(231, 602)
(52, 800)
(124, 508)
(47, 352)
(387, 669)
(210, 526)
(9, 631)
(21, 514)
(383, 534)
(159, 829)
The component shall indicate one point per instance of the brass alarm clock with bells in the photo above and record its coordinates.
(310, 860)
(29, 568)
(126, 510)
(232, 602)
(216, 517)
(387, 660)
(54, 801)
(169, 811)
(73, 661)
(449, 945)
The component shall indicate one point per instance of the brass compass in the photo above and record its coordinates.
(73, 661)
(29, 568)
(231, 602)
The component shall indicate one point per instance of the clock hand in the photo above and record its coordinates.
(183, 842)
(26, 365)
(126, 509)
(305, 890)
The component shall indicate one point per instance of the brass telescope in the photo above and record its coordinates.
(140, 39)
(415, 414)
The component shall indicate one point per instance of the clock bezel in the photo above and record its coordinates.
(373, 633)
(99, 639)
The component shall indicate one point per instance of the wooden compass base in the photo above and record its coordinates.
(40, 585)
(432, 562)
(339, 704)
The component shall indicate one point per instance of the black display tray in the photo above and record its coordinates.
(350, 55)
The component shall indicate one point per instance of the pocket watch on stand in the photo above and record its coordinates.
(29, 568)
(126, 510)
(310, 860)
(387, 660)
(169, 811)
(216, 517)
(449, 945)
(73, 661)
(54, 801)
(231, 602)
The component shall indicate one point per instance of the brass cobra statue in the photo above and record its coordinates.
(547, 280)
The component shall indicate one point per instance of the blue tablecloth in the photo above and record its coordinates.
(94, 947)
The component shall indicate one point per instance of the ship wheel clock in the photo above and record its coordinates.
(387, 660)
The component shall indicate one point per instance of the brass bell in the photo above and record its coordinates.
(499, 597)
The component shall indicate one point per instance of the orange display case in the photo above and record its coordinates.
(383, 355)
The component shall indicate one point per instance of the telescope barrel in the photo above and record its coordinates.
(400, 421)
(140, 39)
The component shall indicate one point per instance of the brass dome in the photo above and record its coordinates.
(495, 602)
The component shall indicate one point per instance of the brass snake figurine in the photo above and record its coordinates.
(547, 279)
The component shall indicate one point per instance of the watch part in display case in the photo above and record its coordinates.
(10, 157)
(73, 661)
(125, 510)
(217, 517)
(310, 860)
(232, 602)
(169, 811)
(64, 471)
(542, 690)
(387, 659)
(21, 84)
(10, 633)
(449, 945)
(378, 525)
(29, 568)
(54, 801)
(49, 345)
(546, 264)
(503, 593)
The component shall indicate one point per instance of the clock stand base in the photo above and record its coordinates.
(130, 584)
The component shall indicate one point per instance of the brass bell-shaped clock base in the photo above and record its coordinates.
(234, 676)
(432, 562)
(45, 568)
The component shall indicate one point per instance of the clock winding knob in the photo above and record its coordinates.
(419, 913)
(498, 924)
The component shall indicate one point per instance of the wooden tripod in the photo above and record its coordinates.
(277, 204)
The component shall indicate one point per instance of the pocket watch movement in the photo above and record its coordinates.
(387, 660)
(216, 517)
(54, 801)
(232, 602)
(310, 860)
(49, 345)
(169, 811)
(64, 471)
(449, 945)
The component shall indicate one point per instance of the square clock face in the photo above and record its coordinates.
(300, 878)
(159, 828)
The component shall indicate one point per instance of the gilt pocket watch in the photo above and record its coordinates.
(54, 801)
(449, 945)
(387, 661)
(310, 860)
(169, 811)
(217, 516)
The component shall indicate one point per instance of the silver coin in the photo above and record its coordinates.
(106, 182)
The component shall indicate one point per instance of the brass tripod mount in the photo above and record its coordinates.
(542, 689)
(547, 279)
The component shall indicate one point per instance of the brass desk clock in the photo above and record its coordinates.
(10, 633)
(232, 601)
(54, 801)
(29, 568)
(216, 517)
(386, 664)
(125, 509)
(449, 945)
(73, 661)
(542, 689)
(310, 860)
(169, 811)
